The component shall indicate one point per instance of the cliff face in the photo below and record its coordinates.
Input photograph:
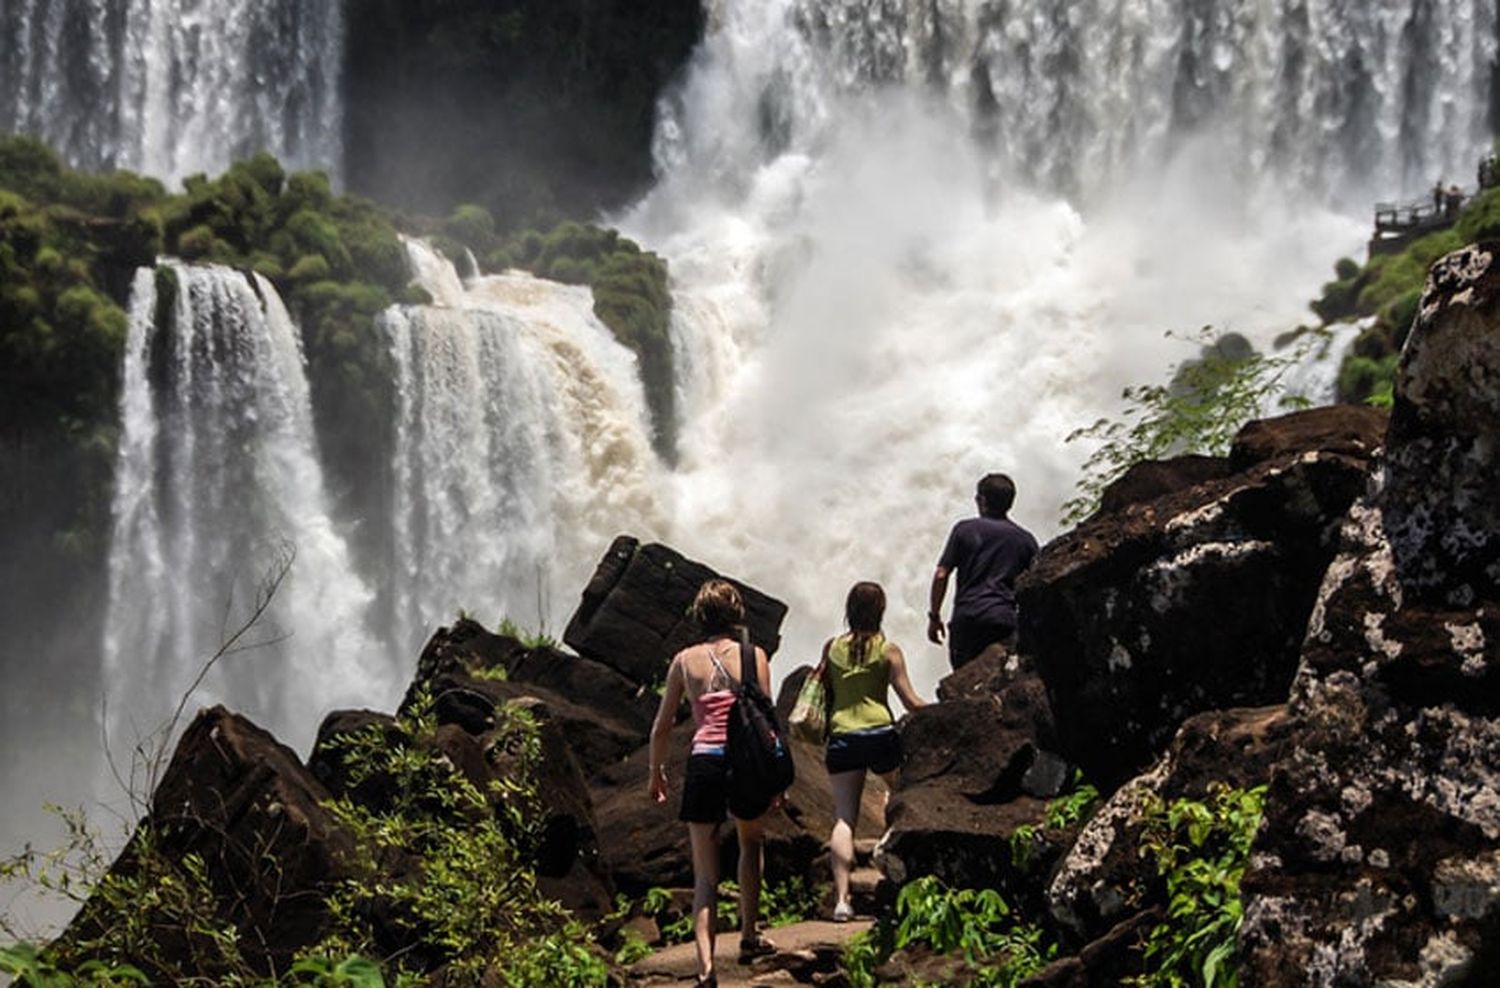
(536, 109)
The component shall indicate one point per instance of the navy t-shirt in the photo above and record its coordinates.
(987, 554)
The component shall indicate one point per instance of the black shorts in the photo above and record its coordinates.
(879, 751)
(705, 789)
(966, 639)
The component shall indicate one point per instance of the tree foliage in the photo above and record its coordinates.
(1207, 400)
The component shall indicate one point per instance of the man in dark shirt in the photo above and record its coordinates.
(988, 553)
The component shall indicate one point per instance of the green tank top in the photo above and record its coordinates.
(858, 691)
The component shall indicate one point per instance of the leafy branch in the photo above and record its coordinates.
(1206, 402)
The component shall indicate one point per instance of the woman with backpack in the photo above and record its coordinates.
(859, 669)
(708, 674)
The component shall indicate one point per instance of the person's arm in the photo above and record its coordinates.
(935, 629)
(661, 728)
(763, 670)
(900, 680)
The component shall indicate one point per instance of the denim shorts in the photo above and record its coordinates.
(878, 750)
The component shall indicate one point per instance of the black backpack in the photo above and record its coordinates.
(758, 750)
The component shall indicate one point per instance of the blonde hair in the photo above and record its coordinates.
(718, 607)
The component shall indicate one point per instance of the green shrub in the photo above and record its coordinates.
(472, 226)
(310, 267)
(1370, 380)
(1199, 410)
(978, 924)
(1201, 849)
(1064, 811)
(196, 243)
(471, 900)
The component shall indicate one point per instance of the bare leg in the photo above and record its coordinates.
(751, 862)
(704, 838)
(889, 778)
(848, 788)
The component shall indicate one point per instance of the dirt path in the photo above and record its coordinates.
(803, 949)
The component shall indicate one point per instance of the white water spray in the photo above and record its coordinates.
(173, 87)
(218, 475)
(915, 242)
(522, 448)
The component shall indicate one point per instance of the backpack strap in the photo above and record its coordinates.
(747, 660)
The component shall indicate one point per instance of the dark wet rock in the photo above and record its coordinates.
(1378, 861)
(1380, 854)
(1194, 600)
(1144, 482)
(468, 649)
(962, 787)
(1104, 963)
(244, 804)
(1102, 880)
(1442, 499)
(329, 761)
(633, 615)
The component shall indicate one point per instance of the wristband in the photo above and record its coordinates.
(934, 616)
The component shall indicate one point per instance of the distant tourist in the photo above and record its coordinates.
(987, 553)
(1439, 193)
(707, 674)
(860, 667)
(1453, 202)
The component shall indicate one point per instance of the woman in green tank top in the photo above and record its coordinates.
(860, 667)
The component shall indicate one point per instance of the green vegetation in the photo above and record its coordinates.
(464, 899)
(471, 899)
(1387, 290)
(1199, 410)
(531, 639)
(1001, 947)
(70, 243)
(1064, 811)
(1200, 849)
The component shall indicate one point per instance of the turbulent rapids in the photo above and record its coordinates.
(910, 242)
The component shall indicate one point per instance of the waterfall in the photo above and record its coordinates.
(914, 241)
(218, 477)
(173, 87)
(522, 448)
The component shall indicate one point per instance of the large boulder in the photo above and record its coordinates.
(1103, 880)
(633, 615)
(242, 802)
(969, 781)
(1442, 503)
(1378, 861)
(467, 671)
(1183, 599)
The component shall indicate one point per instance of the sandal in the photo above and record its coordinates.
(706, 981)
(756, 946)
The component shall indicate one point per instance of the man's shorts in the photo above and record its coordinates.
(878, 750)
(966, 639)
(705, 789)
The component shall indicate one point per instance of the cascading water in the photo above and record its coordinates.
(172, 87)
(218, 477)
(522, 448)
(912, 242)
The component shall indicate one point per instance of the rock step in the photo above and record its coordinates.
(863, 883)
(803, 950)
(864, 850)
